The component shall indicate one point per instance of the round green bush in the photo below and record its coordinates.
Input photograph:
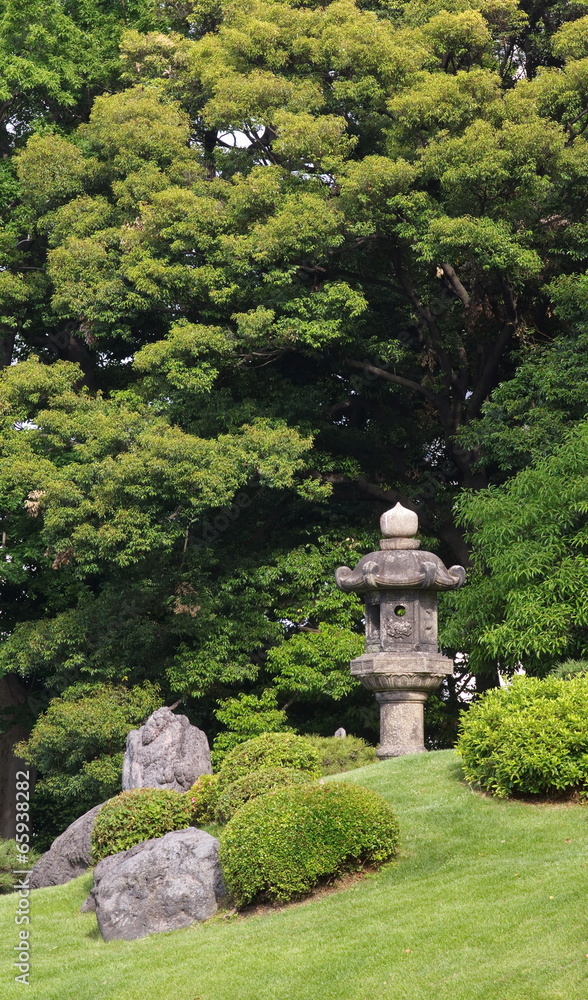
(269, 750)
(280, 845)
(137, 815)
(267, 779)
(203, 796)
(530, 738)
(339, 754)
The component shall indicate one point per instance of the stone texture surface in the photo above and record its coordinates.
(70, 854)
(167, 752)
(401, 723)
(158, 885)
(401, 663)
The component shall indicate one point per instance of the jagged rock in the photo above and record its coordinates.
(167, 752)
(70, 854)
(340, 733)
(158, 885)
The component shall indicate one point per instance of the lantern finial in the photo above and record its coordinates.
(399, 522)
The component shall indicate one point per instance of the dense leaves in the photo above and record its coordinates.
(137, 815)
(530, 738)
(266, 269)
(284, 750)
(279, 845)
(526, 603)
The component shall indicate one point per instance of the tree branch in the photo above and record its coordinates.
(487, 377)
(456, 284)
(396, 379)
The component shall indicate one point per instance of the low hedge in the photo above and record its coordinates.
(345, 753)
(530, 738)
(280, 845)
(267, 779)
(269, 750)
(137, 815)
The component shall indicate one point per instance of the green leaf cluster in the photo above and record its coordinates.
(250, 786)
(280, 845)
(528, 739)
(137, 815)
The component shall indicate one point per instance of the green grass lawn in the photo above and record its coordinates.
(487, 901)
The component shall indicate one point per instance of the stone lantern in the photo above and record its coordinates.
(401, 663)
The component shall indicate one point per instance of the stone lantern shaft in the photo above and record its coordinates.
(401, 663)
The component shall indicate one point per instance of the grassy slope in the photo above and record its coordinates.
(486, 902)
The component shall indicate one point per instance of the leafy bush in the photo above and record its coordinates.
(280, 845)
(342, 754)
(137, 815)
(569, 669)
(77, 746)
(267, 779)
(530, 738)
(10, 860)
(269, 750)
(203, 798)
(247, 716)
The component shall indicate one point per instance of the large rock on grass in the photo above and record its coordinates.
(167, 752)
(158, 885)
(70, 854)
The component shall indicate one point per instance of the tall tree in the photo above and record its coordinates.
(294, 250)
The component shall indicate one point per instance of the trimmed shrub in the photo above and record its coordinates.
(530, 738)
(203, 797)
(342, 754)
(267, 779)
(269, 750)
(10, 860)
(281, 844)
(137, 815)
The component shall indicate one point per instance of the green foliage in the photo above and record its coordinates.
(273, 259)
(10, 861)
(203, 796)
(342, 754)
(269, 750)
(282, 844)
(137, 815)
(570, 669)
(247, 716)
(77, 746)
(265, 779)
(530, 738)
(526, 601)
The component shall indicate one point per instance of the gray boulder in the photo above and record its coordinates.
(70, 854)
(158, 885)
(167, 752)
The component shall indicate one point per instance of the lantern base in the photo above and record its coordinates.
(402, 728)
(401, 683)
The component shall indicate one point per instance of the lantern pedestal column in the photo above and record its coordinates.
(401, 684)
(402, 723)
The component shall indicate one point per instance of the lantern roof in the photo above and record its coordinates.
(400, 564)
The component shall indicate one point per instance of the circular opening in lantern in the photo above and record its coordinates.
(399, 610)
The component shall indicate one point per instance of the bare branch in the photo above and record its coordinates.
(397, 379)
(456, 284)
